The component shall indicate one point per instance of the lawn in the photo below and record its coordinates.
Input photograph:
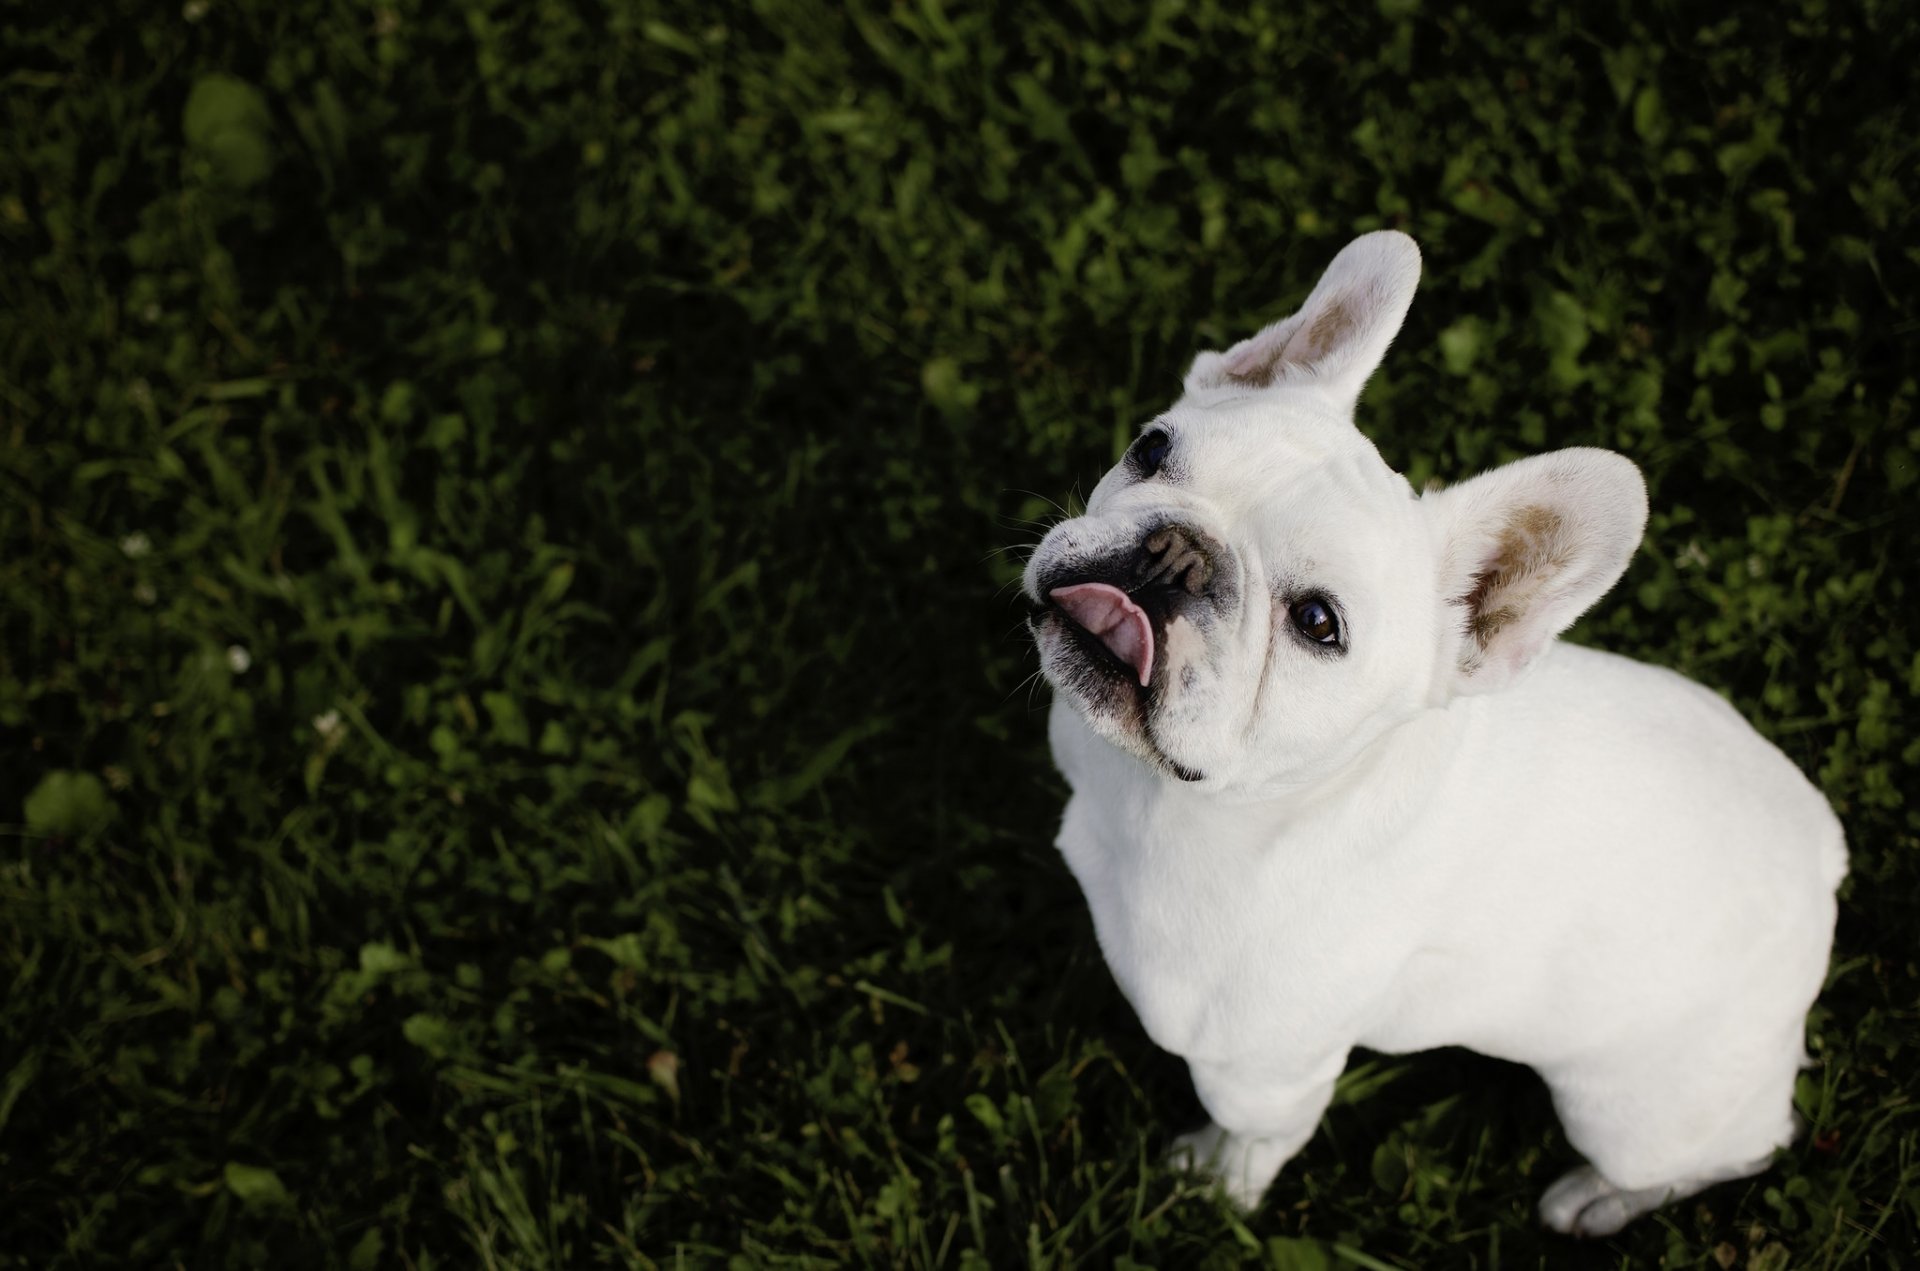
(516, 738)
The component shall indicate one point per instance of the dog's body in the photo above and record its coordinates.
(1336, 783)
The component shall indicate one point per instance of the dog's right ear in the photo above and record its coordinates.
(1339, 336)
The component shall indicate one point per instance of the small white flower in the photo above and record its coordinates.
(329, 726)
(239, 659)
(136, 545)
(1692, 555)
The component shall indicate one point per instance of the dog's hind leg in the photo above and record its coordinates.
(1658, 1132)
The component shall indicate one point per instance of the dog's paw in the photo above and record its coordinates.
(1582, 1203)
(1236, 1164)
(1196, 1152)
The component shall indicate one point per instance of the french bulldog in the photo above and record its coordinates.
(1336, 782)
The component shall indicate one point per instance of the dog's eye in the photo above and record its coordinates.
(1315, 619)
(1151, 451)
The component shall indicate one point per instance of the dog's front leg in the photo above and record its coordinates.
(1263, 1113)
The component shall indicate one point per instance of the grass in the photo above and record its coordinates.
(516, 744)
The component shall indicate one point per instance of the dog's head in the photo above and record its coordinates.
(1253, 595)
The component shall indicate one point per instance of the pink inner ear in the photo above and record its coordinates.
(1249, 360)
(1259, 360)
(1109, 614)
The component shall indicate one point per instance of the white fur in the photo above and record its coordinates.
(1459, 832)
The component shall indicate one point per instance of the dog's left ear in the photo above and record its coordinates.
(1339, 336)
(1526, 549)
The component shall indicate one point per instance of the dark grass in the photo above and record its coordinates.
(628, 840)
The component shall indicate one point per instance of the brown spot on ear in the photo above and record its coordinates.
(1529, 551)
(1484, 626)
(1334, 324)
(1536, 522)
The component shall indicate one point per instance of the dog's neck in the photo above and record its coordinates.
(1365, 797)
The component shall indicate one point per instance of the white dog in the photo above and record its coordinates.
(1336, 782)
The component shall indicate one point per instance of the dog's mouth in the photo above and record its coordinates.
(1102, 623)
(1115, 611)
(1118, 636)
(1112, 617)
(1116, 644)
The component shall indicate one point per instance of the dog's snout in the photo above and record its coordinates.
(1174, 556)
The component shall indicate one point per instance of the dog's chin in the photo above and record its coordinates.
(1104, 690)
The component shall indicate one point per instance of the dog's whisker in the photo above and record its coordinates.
(1008, 549)
(1012, 584)
(1035, 494)
(1018, 627)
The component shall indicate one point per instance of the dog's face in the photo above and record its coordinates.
(1253, 595)
(1237, 594)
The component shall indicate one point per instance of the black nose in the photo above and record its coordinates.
(1177, 557)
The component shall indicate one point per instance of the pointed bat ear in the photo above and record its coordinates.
(1338, 337)
(1528, 548)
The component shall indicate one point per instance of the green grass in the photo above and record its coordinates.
(513, 743)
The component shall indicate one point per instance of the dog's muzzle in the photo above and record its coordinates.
(1124, 600)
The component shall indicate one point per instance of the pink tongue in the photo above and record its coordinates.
(1121, 625)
